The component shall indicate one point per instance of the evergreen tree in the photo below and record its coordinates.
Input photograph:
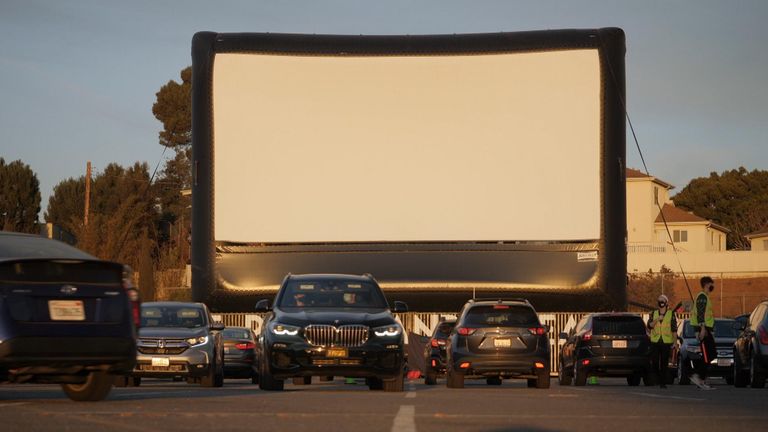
(19, 197)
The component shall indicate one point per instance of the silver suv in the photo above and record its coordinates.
(179, 340)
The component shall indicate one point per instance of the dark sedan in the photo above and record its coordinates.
(434, 351)
(65, 317)
(240, 353)
(605, 344)
(750, 351)
(687, 349)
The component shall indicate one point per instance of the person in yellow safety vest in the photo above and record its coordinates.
(703, 322)
(663, 325)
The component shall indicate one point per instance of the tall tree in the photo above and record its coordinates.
(173, 108)
(67, 204)
(736, 199)
(19, 197)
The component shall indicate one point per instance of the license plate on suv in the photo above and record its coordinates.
(619, 344)
(502, 342)
(336, 352)
(66, 310)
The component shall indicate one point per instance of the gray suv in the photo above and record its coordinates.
(179, 340)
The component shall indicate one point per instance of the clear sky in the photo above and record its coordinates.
(78, 78)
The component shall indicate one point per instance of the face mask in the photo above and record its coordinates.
(662, 305)
(711, 288)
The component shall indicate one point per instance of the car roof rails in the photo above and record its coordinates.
(500, 299)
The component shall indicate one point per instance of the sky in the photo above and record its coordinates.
(78, 78)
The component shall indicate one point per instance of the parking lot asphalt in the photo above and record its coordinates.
(159, 405)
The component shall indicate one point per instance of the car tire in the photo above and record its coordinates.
(134, 382)
(634, 380)
(740, 376)
(430, 378)
(454, 380)
(374, 383)
(729, 378)
(327, 378)
(396, 384)
(254, 378)
(121, 380)
(543, 380)
(683, 372)
(756, 373)
(495, 381)
(302, 380)
(268, 382)
(95, 388)
(579, 379)
(563, 378)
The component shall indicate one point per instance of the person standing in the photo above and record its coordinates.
(703, 322)
(663, 325)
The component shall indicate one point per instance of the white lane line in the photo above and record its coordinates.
(563, 395)
(405, 420)
(665, 396)
(410, 395)
(12, 404)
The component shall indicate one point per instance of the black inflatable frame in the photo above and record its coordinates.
(429, 276)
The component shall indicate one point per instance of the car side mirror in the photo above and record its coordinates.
(400, 307)
(740, 326)
(217, 326)
(563, 335)
(263, 306)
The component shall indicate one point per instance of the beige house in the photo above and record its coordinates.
(759, 240)
(647, 200)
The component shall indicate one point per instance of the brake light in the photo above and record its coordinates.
(763, 335)
(585, 362)
(436, 342)
(133, 295)
(539, 365)
(245, 346)
(587, 336)
(434, 362)
(539, 331)
(464, 365)
(466, 331)
(501, 306)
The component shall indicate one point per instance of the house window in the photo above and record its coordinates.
(656, 195)
(680, 236)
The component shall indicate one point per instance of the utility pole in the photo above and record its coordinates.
(87, 192)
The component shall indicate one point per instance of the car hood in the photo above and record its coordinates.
(171, 332)
(337, 317)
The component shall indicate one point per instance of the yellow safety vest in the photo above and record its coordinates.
(709, 317)
(662, 331)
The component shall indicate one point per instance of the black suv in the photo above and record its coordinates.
(687, 349)
(605, 344)
(434, 351)
(750, 351)
(330, 324)
(65, 316)
(495, 339)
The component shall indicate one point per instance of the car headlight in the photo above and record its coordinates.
(388, 331)
(284, 329)
(197, 340)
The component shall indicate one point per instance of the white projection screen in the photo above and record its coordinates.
(407, 148)
(446, 166)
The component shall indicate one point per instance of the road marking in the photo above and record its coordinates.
(12, 404)
(410, 395)
(665, 396)
(565, 395)
(405, 419)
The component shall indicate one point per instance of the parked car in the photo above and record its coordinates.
(434, 351)
(687, 349)
(179, 340)
(498, 339)
(331, 325)
(66, 317)
(750, 351)
(606, 344)
(240, 353)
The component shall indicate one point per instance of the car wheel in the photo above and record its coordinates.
(683, 372)
(302, 380)
(374, 383)
(326, 378)
(542, 381)
(649, 378)
(579, 377)
(254, 378)
(134, 382)
(634, 379)
(493, 381)
(95, 388)
(740, 376)
(121, 381)
(729, 378)
(268, 382)
(394, 385)
(756, 373)
(430, 378)
(562, 376)
(454, 379)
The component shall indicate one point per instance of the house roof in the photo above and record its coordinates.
(673, 214)
(762, 233)
(632, 173)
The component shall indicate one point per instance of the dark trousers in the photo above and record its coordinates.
(660, 361)
(708, 353)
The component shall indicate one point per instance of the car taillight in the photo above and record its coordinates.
(245, 346)
(433, 342)
(763, 332)
(539, 331)
(466, 331)
(133, 295)
(587, 336)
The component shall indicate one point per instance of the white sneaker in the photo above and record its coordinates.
(697, 381)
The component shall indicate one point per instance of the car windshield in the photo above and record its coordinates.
(172, 316)
(443, 329)
(618, 325)
(236, 334)
(501, 315)
(723, 329)
(331, 294)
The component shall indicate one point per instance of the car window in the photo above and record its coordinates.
(500, 316)
(236, 334)
(726, 329)
(443, 329)
(331, 294)
(171, 316)
(618, 325)
(757, 316)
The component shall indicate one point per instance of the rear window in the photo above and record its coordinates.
(501, 316)
(618, 325)
(236, 334)
(444, 329)
(723, 329)
(172, 316)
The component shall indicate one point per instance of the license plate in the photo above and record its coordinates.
(502, 342)
(724, 361)
(336, 352)
(161, 361)
(66, 310)
(619, 344)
